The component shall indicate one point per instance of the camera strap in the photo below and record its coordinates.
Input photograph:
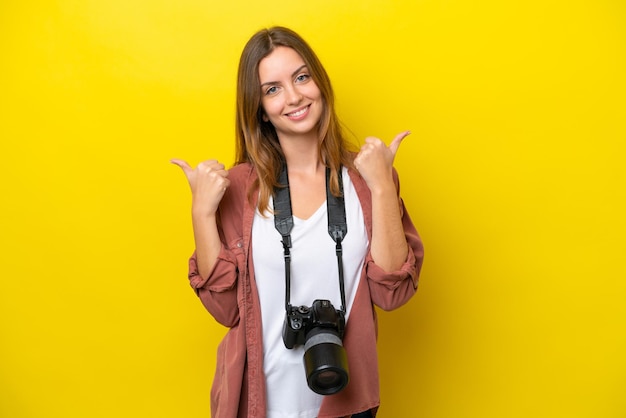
(337, 226)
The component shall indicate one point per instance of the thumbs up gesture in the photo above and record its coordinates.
(375, 160)
(208, 183)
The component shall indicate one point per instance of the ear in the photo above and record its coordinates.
(264, 117)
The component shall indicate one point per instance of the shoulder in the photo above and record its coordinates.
(240, 171)
(242, 175)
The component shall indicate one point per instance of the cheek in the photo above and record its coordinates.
(270, 107)
(314, 91)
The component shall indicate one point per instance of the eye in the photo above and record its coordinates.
(271, 90)
(301, 78)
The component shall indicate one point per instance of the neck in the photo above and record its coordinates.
(302, 156)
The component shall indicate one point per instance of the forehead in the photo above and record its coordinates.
(281, 62)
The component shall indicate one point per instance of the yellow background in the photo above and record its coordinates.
(513, 175)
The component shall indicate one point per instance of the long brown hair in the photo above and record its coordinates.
(257, 141)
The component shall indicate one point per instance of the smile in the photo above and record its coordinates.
(298, 113)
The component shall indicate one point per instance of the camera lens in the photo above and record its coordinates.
(328, 379)
(325, 361)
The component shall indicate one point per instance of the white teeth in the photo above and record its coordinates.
(298, 113)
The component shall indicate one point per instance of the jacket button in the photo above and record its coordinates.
(239, 245)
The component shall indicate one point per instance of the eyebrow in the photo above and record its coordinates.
(292, 74)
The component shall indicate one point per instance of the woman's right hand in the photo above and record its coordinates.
(208, 183)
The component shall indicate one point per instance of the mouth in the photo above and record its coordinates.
(297, 114)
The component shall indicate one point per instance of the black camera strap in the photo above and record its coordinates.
(337, 227)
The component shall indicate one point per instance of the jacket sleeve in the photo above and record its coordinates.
(218, 292)
(390, 290)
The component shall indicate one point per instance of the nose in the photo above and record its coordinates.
(293, 95)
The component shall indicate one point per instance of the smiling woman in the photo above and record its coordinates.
(293, 102)
(514, 173)
(294, 164)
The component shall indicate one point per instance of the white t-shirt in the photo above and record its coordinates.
(314, 275)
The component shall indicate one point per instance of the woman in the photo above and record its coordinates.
(286, 121)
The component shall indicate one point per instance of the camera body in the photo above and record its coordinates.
(300, 320)
(320, 329)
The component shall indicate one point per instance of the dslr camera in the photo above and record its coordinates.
(320, 329)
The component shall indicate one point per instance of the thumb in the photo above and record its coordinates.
(395, 144)
(183, 165)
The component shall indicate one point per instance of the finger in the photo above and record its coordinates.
(218, 168)
(182, 164)
(211, 166)
(395, 144)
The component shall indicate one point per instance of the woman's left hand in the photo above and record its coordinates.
(375, 160)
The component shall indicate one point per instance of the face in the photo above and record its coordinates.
(291, 100)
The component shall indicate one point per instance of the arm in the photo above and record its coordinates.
(218, 292)
(396, 251)
(208, 244)
(389, 248)
(390, 290)
(375, 164)
(208, 182)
